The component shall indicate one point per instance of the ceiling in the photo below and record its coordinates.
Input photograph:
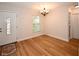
(35, 5)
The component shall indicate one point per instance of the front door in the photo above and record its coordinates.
(7, 27)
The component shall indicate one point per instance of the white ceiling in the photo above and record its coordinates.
(35, 5)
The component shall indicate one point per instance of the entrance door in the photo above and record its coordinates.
(7, 27)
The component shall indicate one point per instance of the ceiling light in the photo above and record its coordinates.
(44, 11)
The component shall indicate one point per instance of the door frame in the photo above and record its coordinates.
(69, 25)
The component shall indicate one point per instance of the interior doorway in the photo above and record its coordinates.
(74, 26)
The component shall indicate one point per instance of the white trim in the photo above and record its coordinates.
(58, 37)
(42, 34)
(29, 37)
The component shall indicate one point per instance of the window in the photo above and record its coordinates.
(36, 23)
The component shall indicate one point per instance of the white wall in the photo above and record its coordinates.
(24, 20)
(57, 23)
(75, 11)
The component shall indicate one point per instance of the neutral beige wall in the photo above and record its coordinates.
(56, 23)
(23, 20)
(75, 11)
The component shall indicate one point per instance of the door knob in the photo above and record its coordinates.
(0, 29)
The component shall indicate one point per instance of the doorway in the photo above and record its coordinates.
(74, 26)
(7, 27)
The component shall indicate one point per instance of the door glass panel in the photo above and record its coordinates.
(8, 26)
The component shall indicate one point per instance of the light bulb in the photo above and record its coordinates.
(76, 6)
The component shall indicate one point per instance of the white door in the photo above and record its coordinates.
(75, 26)
(7, 27)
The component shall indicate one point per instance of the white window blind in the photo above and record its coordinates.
(36, 23)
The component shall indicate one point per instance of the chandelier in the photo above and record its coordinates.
(44, 11)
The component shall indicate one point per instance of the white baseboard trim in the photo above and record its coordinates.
(42, 34)
(58, 37)
(29, 37)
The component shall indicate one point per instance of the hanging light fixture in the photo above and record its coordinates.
(76, 4)
(44, 11)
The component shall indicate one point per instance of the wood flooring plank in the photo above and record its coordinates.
(40, 50)
(50, 48)
(66, 47)
(47, 46)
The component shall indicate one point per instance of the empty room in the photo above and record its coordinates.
(39, 28)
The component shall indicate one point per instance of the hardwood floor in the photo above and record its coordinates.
(74, 42)
(42, 46)
(47, 46)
